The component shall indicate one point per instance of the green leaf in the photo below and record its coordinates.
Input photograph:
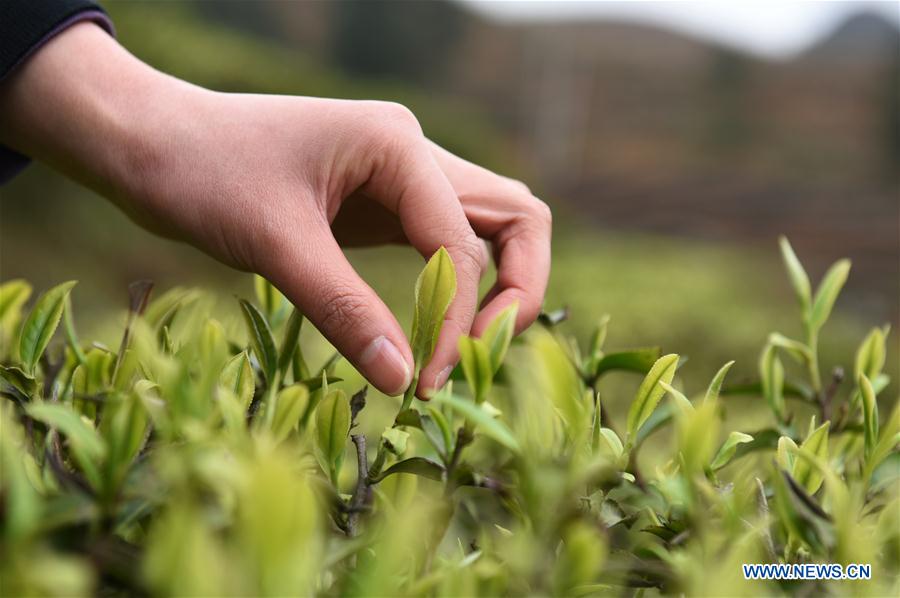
(796, 349)
(816, 444)
(870, 413)
(13, 295)
(613, 444)
(41, 323)
(798, 276)
(270, 299)
(290, 405)
(886, 445)
(498, 335)
(435, 289)
(261, 340)
(19, 379)
(650, 392)
(482, 419)
(433, 431)
(595, 347)
(475, 359)
(237, 376)
(771, 374)
(728, 449)
(827, 293)
(638, 360)
(871, 355)
(333, 425)
(85, 443)
(712, 393)
(291, 340)
(784, 453)
(682, 402)
(419, 466)
(395, 440)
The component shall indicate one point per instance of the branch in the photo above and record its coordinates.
(363, 493)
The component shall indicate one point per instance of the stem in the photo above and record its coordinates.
(362, 494)
(381, 455)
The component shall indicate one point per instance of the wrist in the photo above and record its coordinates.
(88, 108)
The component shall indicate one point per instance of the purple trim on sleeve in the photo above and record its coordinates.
(12, 162)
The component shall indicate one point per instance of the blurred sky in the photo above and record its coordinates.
(771, 28)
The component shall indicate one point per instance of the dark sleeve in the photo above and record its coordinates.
(26, 25)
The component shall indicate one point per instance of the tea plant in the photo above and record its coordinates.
(190, 461)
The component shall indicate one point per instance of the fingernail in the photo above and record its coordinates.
(442, 377)
(383, 356)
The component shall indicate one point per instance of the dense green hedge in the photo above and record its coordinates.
(190, 461)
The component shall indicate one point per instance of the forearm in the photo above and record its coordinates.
(85, 106)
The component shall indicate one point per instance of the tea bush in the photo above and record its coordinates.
(188, 461)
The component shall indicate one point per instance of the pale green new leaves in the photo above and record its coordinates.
(13, 295)
(289, 407)
(816, 444)
(41, 323)
(498, 335)
(728, 449)
(683, 404)
(798, 276)
(482, 420)
(332, 427)
(475, 359)
(395, 440)
(827, 293)
(435, 289)
(269, 298)
(712, 393)
(871, 354)
(261, 340)
(480, 358)
(815, 309)
(771, 373)
(85, 442)
(237, 376)
(650, 392)
(870, 413)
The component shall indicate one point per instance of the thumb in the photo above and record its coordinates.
(322, 283)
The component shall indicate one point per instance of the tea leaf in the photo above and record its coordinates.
(595, 347)
(728, 449)
(261, 340)
(419, 466)
(475, 359)
(19, 379)
(13, 295)
(498, 335)
(871, 355)
(796, 349)
(638, 360)
(41, 323)
(435, 289)
(816, 444)
(650, 392)
(395, 440)
(870, 413)
(86, 444)
(270, 299)
(785, 452)
(290, 342)
(483, 421)
(682, 402)
(612, 443)
(887, 444)
(771, 373)
(796, 273)
(827, 293)
(237, 376)
(290, 405)
(333, 425)
(712, 393)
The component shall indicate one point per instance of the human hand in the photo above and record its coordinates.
(256, 181)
